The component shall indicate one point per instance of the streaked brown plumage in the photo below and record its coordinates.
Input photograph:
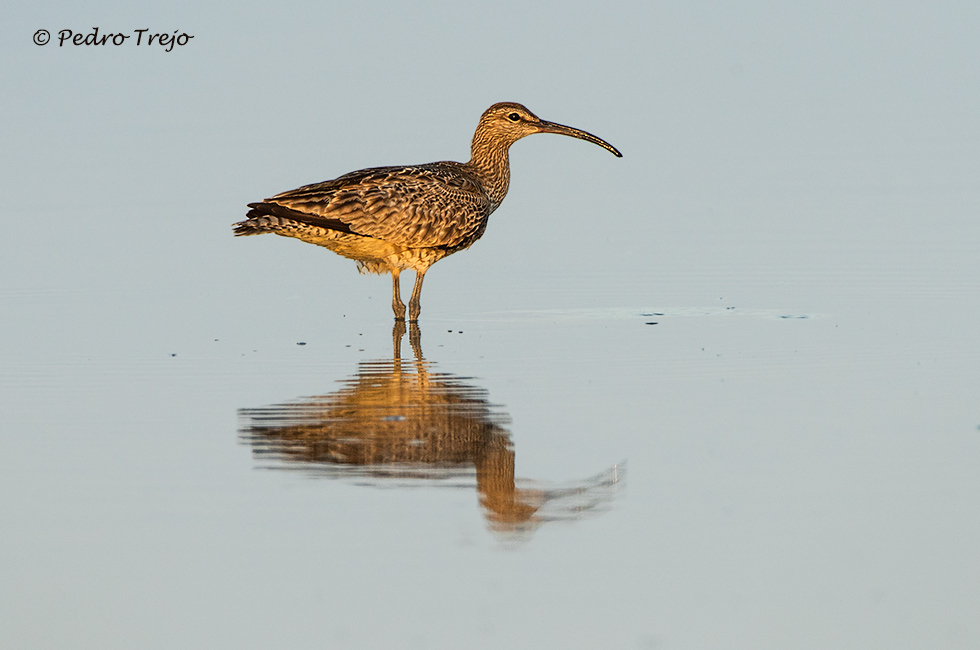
(389, 219)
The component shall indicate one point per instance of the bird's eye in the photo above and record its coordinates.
(514, 117)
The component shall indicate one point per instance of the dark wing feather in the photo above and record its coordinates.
(440, 204)
(276, 210)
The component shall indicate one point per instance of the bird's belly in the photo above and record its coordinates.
(372, 255)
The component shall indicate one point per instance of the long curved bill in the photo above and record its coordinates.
(561, 129)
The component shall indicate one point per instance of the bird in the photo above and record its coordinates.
(392, 219)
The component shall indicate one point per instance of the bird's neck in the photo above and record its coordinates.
(491, 164)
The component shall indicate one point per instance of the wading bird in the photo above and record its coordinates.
(389, 219)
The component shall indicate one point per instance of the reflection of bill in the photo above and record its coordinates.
(402, 423)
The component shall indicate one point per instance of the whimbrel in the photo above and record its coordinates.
(389, 219)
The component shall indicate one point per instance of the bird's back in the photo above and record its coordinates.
(437, 205)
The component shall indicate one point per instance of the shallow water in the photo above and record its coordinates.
(405, 424)
(795, 469)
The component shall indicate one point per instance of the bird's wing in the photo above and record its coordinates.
(440, 204)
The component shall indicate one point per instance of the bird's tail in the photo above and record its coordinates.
(269, 217)
(263, 224)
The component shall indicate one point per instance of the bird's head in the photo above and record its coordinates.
(508, 122)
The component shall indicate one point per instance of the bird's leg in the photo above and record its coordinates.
(397, 305)
(415, 305)
(415, 338)
(421, 367)
(397, 332)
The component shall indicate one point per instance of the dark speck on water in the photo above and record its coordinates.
(301, 343)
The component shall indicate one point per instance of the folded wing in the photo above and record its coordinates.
(423, 206)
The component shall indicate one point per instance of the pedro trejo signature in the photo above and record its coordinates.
(139, 37)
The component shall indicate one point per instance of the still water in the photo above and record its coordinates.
(405, 424)
(801, 464)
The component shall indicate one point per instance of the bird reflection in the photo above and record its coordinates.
(403, 423)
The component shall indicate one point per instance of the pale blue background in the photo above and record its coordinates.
(793, 483)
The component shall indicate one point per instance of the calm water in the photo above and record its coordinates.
(790, 473)
(404, 423)
(722, 393)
